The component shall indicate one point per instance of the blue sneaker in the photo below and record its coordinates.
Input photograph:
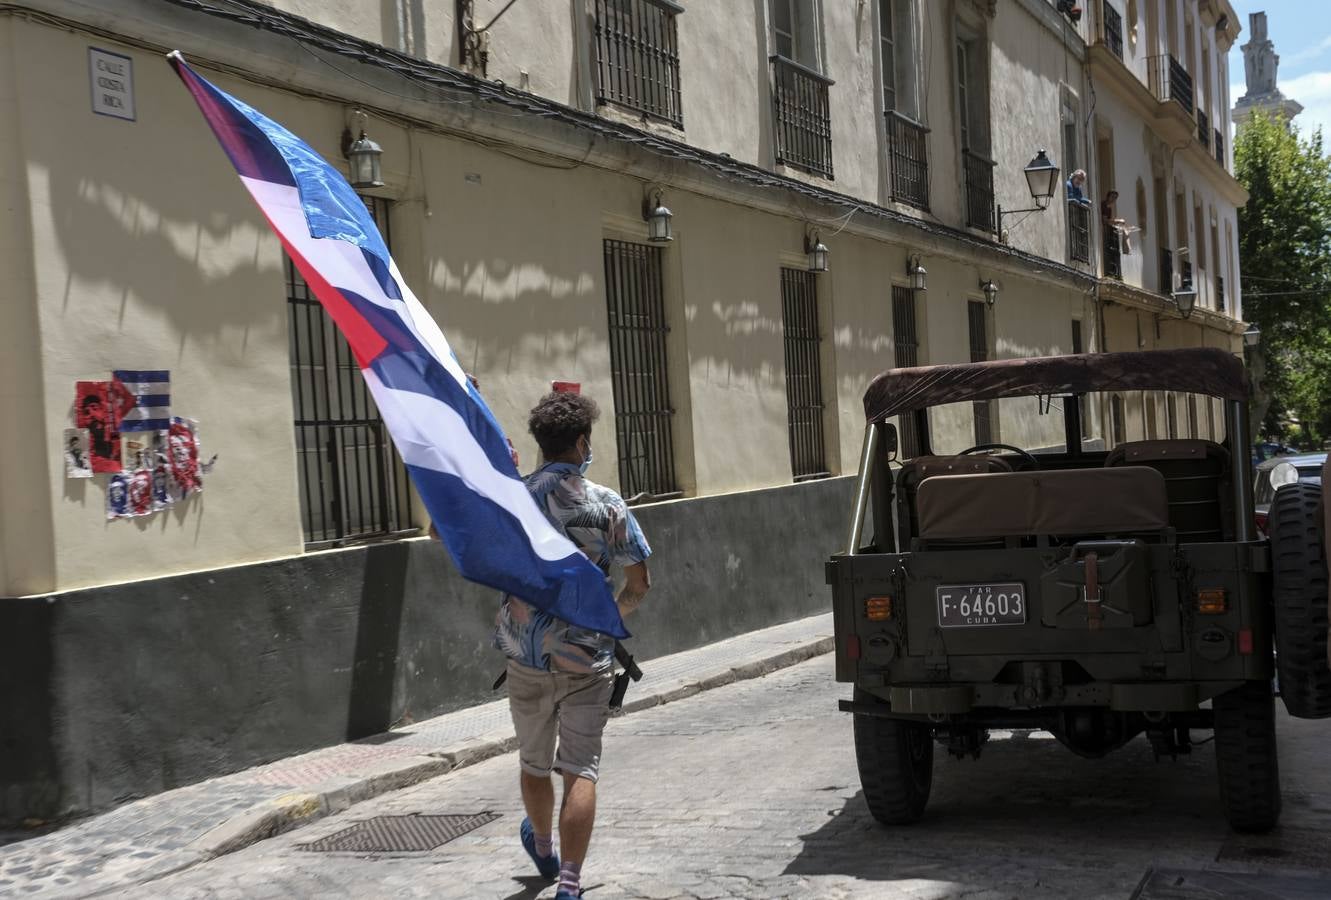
(548, 866)
(565, 895)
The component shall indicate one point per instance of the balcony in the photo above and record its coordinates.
(908, 160)
(802, 117)
(1170, 81)
(1185, 275)
(1079, 231)
(1109, 29)
(979, 172)
(1219, 148)
(1204, 129)
(1165, 284)
(1113, 261)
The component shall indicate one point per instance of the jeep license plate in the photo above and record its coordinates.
(977, 605)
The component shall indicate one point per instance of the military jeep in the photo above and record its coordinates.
(1097, 594)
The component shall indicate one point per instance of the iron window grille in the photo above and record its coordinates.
(1079, 232)
(637, 57)
(906, 343)
(1204, 129)
(1170, 81)
(1194, 426)
(1117, 419)
(353, 485)
(802, 116)
(979, 173)
(979, 334)
(1111, 24)
(1171, 415)
(1113, 253)
(1220, 293)
(635, 302)
(908, 156)
(1166, 272)
(1219, 148)
(804, 380)
(1185, 274)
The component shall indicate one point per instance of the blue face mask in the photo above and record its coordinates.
(586, 460)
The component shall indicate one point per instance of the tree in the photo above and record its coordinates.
(1285, 249)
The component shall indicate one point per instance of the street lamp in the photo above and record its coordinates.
(658, 219)
(1185, 298)
(1252, 337)
(363, 157)
(918, 275)
(816, 251)
(1042, 179)
(990, 291)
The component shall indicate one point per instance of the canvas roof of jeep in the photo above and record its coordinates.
(1194, 370)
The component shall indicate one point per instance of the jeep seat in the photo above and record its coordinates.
(917, 470)
(1196, 474)
(1066, 502)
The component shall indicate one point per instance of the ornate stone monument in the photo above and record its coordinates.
(1260, 63)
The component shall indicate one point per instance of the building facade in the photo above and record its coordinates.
(523, 144)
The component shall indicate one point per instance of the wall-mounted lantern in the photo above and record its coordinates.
(990, 291)
(363, 157)
(816, 251)
(919, 277)
(658, 217)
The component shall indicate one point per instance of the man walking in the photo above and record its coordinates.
(559, 675)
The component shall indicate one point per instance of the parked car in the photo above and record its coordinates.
(1265, 450)
(1097, 595)
(1304, 468)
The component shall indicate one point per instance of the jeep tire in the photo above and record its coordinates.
(896, 763)
(1245, 756)
(1299, 594)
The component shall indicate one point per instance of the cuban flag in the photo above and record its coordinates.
(452, 446)
(147, 399)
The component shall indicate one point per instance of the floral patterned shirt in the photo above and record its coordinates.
(599, 524)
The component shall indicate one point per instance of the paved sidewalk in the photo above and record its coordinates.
(150, 838)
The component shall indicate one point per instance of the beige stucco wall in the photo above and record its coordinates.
(132, 245)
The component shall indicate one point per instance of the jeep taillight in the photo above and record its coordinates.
(1261, 518)
(878, 609)
(1212, 602)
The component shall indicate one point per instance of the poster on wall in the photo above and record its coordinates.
(144, 399)
(163, 495)
(93, 411)
(140, 492)
(77, 463)
(183, 453)
(117, 497)
(135, 452)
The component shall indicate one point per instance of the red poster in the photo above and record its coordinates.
(93, 410)
(183, 454)
(566, 387)
(140, 493)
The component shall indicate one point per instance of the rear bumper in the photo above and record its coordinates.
(959, 699)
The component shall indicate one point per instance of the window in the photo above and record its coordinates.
(1193, 426)
(1116, 418)
(635, 300)
(979, 333)
(353, 485)
(795, 31)
(801, 112)
(906, 138)
(804, 382)
(1171, 414)
(973, 112)
(637, 57)
(907, 353)
(898, 42)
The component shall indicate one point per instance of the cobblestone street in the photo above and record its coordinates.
(750, 791)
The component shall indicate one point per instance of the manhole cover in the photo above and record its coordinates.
(1184, 884)
(400, 834)
(1284, 847)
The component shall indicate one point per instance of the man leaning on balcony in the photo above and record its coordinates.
(1074, 183)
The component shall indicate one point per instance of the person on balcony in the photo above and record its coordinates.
(1073, 187)
(1109, 218)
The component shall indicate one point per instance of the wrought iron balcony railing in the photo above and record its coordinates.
(1219, 148)
(1079, 231)
(1111, 28)
(1204, 128)
(1170, 81)
(802, 116)
(908, 160)
(1165, 274)
(1113, 255)
(979, 171)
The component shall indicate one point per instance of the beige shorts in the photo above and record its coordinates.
(575, 706)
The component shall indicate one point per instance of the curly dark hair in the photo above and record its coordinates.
(559, 420)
